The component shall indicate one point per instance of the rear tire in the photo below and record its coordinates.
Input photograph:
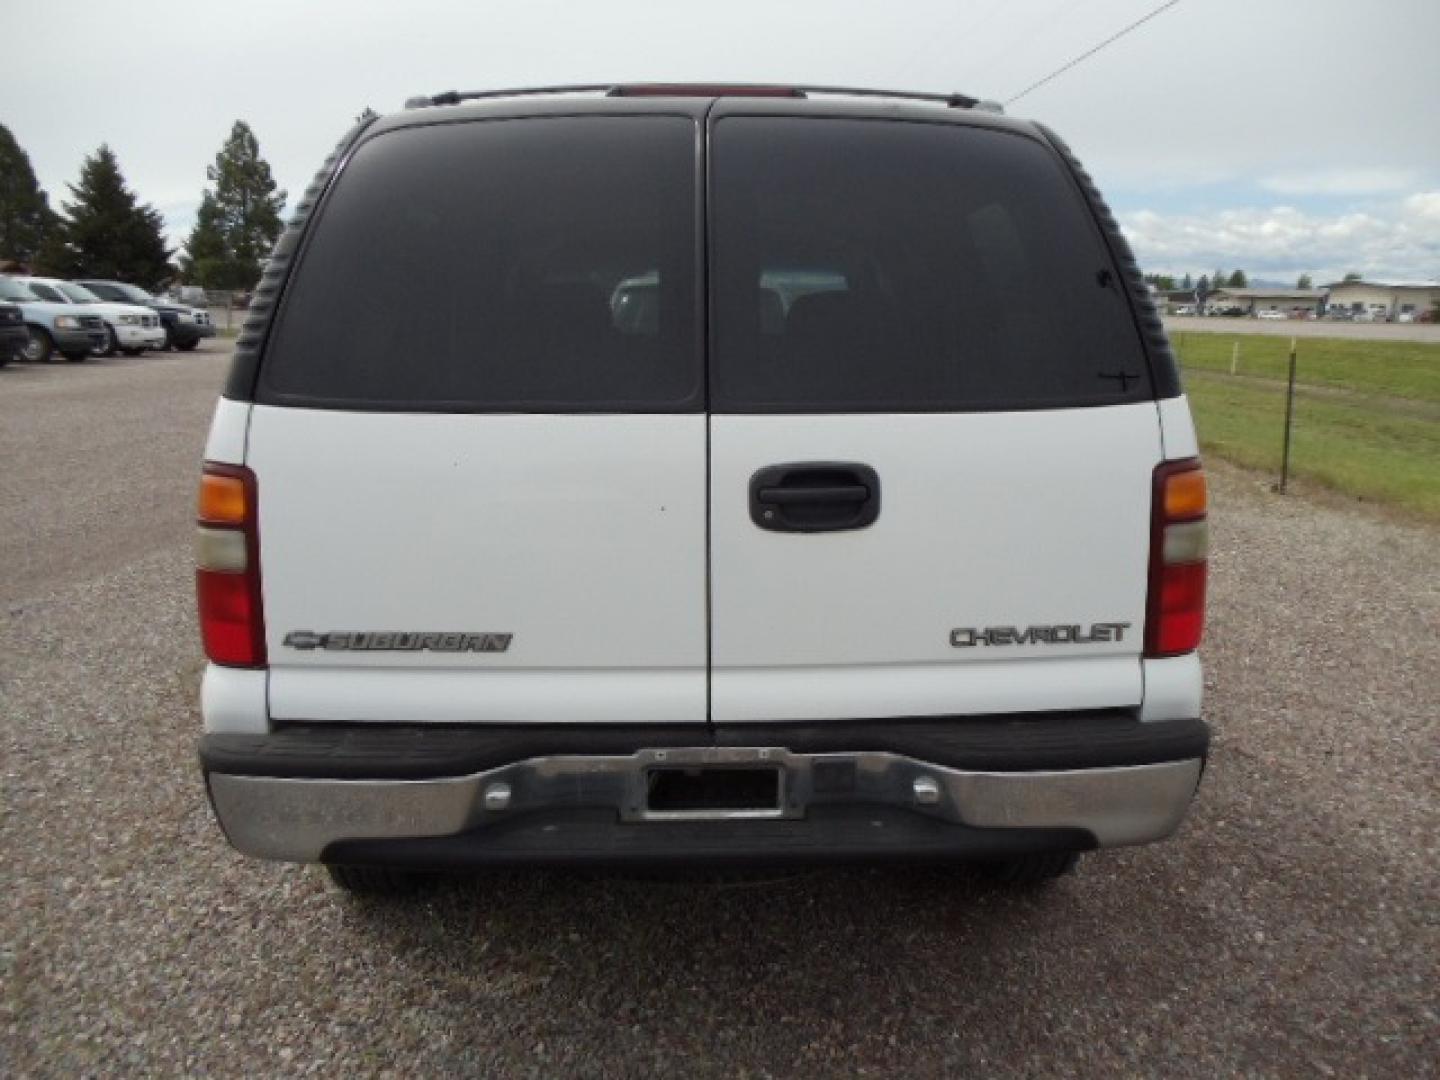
(40, 347)
(375, 880)
(1030, 871)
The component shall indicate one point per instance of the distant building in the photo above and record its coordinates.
(1253, 301)
(1385, 299)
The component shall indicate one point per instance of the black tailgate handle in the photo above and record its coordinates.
(814, 496)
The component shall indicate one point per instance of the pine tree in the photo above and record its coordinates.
(1237, 280)
(1186, 283)
(239, 216)
(108, 232)
(1217, 279)
(26, 220)
(206, 260)
(1304, 282)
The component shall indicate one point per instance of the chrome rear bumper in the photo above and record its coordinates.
(304, 820)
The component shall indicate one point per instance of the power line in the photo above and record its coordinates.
(1091, 52)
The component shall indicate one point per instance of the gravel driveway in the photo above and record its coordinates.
(1293, 927)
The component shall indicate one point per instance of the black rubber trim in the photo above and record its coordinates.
(829, 834)
(1164, 373)
(417, 752)
(995, 744)
(245, 366)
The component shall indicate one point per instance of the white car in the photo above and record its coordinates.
(722, 496)
(1271, 313)
(130, 328)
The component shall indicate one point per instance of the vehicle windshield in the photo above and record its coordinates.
(13, 290)
(77, 293)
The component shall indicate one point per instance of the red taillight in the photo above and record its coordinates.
(227, 572)
(1179, 546)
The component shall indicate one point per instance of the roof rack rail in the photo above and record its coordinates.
(953, 101)
(455, 97)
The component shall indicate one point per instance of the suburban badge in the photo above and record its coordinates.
(399, 641)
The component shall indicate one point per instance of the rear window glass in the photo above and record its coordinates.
(503, 265)
(880, 266)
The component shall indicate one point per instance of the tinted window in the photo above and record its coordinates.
(47, 292)
(880, 266)
(78, 294)
(506, 265)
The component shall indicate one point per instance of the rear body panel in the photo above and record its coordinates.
(580, 537)
(992, 519)
(609, 541)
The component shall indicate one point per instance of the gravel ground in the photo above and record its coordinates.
(1293, 927)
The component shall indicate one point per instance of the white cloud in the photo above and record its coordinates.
(1424, 206)
(1340, 182)
(1399, 239)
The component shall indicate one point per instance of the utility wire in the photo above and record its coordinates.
(1091, 52)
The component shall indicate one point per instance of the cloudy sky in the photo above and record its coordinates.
(1281, 136)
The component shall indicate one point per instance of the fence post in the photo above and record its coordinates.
(1234, 357)
(1289, 416)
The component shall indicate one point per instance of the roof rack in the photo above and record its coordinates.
(952, 101)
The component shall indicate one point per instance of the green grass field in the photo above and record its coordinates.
(1394, 368)
(1364, 445)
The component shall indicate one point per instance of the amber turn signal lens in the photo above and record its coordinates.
(1185, 495)
(222, 500)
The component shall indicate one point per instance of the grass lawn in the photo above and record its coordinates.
(1404, 369)
(1357, 447)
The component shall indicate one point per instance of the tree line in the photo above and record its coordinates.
(105, 231)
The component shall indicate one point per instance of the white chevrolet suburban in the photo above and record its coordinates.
(700, 474)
